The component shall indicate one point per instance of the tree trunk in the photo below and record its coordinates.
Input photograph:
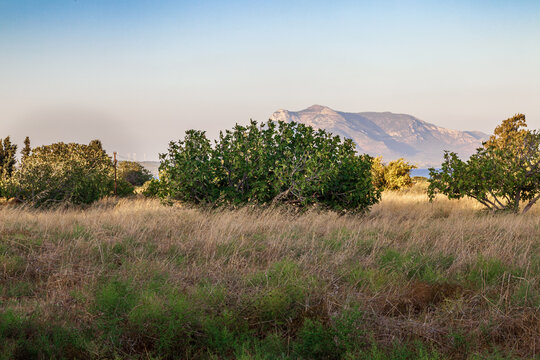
(530, 204)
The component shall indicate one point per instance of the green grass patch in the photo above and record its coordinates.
(415, 265)
(29, 338)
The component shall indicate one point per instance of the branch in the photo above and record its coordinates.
(530, 204)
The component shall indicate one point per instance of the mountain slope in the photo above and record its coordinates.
(388, 134)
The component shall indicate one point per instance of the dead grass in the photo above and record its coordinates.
(446, 273)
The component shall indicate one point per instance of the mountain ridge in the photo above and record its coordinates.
(390, 135)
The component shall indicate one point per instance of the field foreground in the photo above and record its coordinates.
(136, 279)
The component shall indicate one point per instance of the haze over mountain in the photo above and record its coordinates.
(388, 134)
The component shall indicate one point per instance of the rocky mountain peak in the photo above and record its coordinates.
(388, 134)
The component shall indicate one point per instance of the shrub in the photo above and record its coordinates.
(394, 176)
(150, 188)
(267, 164)
(57, 173)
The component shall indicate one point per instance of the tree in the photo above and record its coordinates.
(269, 163)
(509, 135)
(134, 173)
(27, 150)
(57, 173)
(96, 145)
(377, 172)
(394, 176)
(8, 153)
(501, 175)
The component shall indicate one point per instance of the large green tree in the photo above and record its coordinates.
(268, 163)
(502, 175)
(58, 173)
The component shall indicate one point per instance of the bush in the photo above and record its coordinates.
(268, 164)
(150, 188)
(394, 176)
(502, 174)
(57, 173)
(133, 173)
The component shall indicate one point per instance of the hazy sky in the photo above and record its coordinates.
(139, 73)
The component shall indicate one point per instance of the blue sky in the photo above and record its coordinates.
(139, 73)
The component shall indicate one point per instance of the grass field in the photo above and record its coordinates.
(136, 279)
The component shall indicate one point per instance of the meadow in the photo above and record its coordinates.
(136, 279)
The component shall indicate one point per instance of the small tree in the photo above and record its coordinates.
(8, 158)
(134, 173)
(74, 173)
(26, 150)
(394, 176)
(501, 175)
(268, 164)
(377, 172)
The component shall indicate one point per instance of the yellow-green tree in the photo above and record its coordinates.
(60, 173)
(393, 176)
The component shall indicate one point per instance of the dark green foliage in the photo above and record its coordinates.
(315, 341)
(268, 163)
(501, 175)
(30, 338)
(58, 173)
(133, 172)
(124, 188)
(8, 152)
(26, 150)
(151, 188)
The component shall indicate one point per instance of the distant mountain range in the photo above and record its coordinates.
(388, 134)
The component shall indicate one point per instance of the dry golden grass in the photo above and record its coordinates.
(387, 263)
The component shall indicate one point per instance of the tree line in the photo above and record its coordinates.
(273, 163)
(64, 173)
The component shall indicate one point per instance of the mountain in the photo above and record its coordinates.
(388, 134)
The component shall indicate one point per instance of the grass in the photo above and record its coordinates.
(136, 279)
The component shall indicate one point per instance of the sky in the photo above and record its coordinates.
(137, 74)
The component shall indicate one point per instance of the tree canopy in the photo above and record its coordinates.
(501, 175)
(57, 173)
(268, 163)
(395, 175)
